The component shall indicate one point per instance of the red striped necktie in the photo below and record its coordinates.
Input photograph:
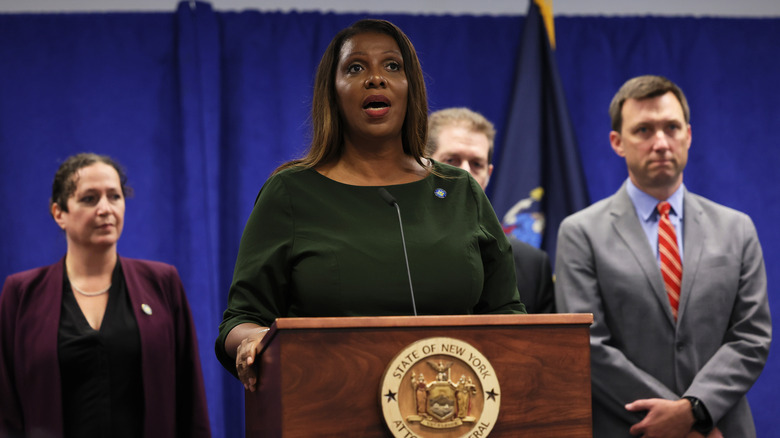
(671, 266)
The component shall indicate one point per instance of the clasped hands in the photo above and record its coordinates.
(666, 419)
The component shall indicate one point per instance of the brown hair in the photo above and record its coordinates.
(644, 87)
(66, 180)
(473, 120)
(327, 126)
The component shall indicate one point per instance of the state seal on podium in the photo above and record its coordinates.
(441, 387)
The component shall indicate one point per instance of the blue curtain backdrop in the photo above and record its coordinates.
(201, 105)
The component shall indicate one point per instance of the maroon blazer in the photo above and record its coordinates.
(30, 390)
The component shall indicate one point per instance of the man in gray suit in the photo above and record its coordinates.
(464, 138)
(669, 358)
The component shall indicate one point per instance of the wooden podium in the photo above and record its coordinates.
(323, 376)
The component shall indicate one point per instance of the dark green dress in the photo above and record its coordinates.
(316, 247)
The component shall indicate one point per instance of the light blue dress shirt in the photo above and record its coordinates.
(645, 206)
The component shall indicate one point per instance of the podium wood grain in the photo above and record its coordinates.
(322, 376)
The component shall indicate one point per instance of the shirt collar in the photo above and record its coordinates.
(645, 204)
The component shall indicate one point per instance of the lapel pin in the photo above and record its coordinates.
(147, 310)
(440, 193)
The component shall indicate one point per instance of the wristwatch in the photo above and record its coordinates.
(703, 421)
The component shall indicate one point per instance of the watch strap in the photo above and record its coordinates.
(702, 419)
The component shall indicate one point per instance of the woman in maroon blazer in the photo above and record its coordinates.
(97, 344)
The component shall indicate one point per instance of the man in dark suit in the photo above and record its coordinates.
(676, 284)
(464, 138)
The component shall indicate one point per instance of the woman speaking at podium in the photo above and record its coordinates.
(323, 241)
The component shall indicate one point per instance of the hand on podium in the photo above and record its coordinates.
(243, 342)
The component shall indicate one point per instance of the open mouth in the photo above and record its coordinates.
(376, 101)
(376, 105)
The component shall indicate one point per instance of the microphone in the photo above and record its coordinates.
(387, 197)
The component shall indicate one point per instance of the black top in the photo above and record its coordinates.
(102, 391)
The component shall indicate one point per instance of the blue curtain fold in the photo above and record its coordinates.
(201, 105)
(198, 216)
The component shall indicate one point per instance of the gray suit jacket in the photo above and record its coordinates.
(720, 342)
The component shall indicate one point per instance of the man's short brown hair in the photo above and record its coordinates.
(472, 120)
(644, 87)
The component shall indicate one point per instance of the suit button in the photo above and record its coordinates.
(680, 346)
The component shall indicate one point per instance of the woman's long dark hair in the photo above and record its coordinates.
(327, 126)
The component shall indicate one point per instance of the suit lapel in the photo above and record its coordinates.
(627, 226)
(137, 293)
(693, 238)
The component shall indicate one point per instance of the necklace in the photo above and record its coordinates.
(90, 294)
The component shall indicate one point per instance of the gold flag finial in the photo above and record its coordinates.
(546, 8)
